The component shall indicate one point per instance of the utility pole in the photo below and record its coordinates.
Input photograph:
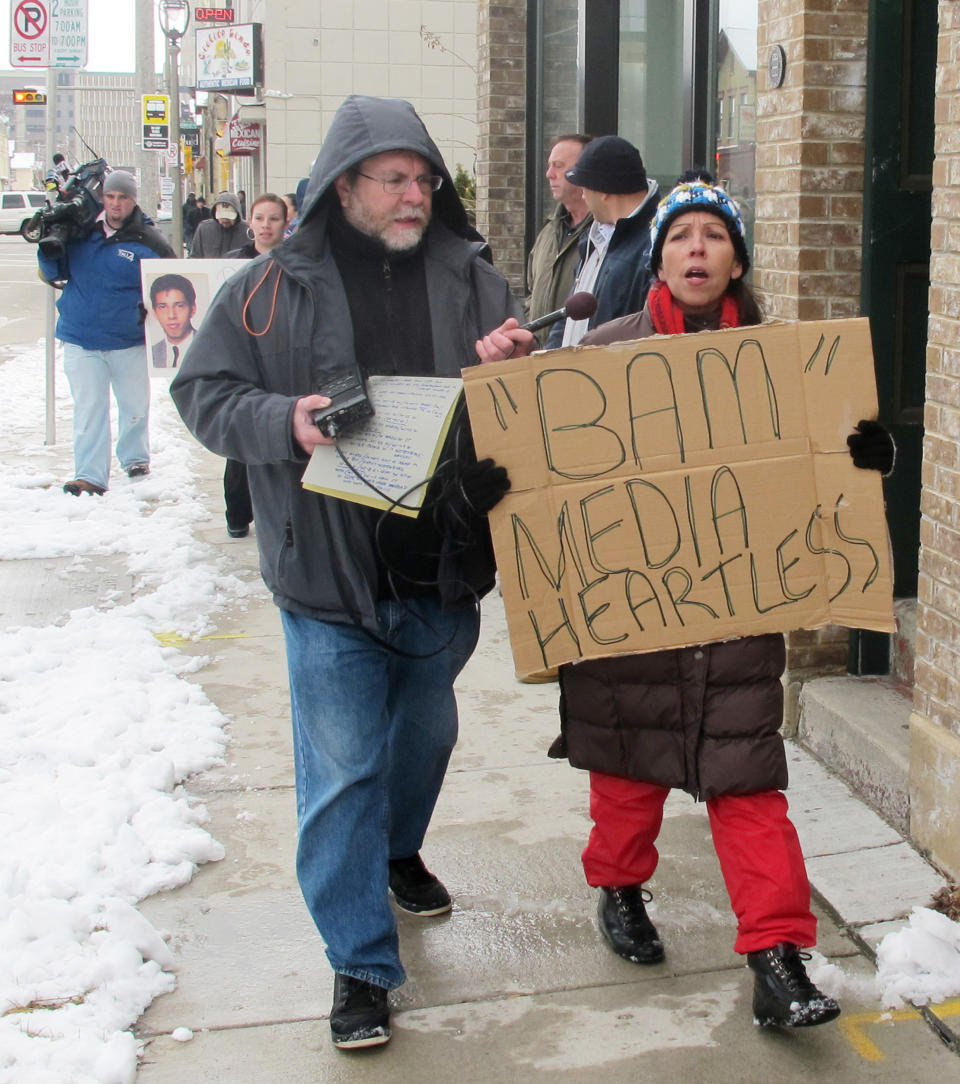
(146, 83)
(50, 317)
(174, 19)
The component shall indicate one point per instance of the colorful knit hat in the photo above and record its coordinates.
(698, 196)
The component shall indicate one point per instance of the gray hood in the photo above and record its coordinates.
(365, 126)
(230, 199)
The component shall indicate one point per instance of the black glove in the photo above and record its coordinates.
(872, 447)
(483, 485)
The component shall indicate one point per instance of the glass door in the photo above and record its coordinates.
(734, 128)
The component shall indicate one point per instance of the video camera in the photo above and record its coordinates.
(73, 213)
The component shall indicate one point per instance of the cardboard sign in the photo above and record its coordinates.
(684, 489)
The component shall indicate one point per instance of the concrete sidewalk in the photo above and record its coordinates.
(516, 980)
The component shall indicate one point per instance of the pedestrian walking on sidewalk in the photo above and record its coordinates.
(223, 230)
(706, 718)
(101, 328)
(268, 216)
(384, 276)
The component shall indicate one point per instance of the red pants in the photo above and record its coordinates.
(755, 841)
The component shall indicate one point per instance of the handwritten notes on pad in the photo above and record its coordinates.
(396, 451)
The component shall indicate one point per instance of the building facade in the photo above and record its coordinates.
(316, 52)
(836, 123)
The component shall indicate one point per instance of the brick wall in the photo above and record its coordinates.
(935, 722)
(937, 687)
(501, 135)
(809, 182)
(810, 158)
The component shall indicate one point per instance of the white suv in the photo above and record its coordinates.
(18, 207)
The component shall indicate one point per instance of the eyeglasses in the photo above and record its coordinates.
(397, 186)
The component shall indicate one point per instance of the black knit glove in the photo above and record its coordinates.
(483, 485)
(872, 447)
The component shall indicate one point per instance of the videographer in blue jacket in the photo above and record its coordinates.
(101, 328)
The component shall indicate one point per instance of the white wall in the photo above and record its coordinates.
(319, 51)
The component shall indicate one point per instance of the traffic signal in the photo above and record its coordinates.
(29, 97)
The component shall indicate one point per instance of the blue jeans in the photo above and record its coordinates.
(91, 374)
(372, 734)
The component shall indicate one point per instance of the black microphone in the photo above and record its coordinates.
(578, 307)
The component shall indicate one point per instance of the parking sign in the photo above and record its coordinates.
(29, 34)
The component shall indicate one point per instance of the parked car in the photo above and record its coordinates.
(18, 207)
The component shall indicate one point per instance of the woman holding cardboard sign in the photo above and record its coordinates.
(704, 718)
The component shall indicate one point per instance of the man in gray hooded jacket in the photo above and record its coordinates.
(224, 230)
(383, 276)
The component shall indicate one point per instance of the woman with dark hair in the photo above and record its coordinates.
(293, 219)
(704, 718)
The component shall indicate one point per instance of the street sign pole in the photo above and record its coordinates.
(50, 366)
(176, 218)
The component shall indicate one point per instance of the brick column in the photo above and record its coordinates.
(810, 136)
(935, 723)
(501, 128)
(809, 179)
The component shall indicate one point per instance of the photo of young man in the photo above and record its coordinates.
(174, 303)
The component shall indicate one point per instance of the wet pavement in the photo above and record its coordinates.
(516, 981)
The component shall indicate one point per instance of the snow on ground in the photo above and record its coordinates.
(98, 729)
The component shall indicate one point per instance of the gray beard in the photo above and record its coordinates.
(355, 215)
(403, 244)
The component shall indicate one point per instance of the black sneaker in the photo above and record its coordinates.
(138, 470)
(623, 921)
(782, 992)
(360, 1015)
(81, 485)
(416, 889)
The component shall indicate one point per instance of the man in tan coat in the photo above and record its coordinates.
(553, 259)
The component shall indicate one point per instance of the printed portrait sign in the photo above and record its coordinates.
(684, 489)
(177, 295)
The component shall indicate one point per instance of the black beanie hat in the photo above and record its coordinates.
(611, 165)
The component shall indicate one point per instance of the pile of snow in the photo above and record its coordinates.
(98, 730)
(918, 964)
(921, 962)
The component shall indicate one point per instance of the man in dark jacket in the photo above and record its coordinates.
(384, 276)
(102, 334)
(623, 201)
(225, 230)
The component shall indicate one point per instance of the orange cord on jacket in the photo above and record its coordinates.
(273, 301)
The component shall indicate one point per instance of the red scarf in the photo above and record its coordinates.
(667, 316)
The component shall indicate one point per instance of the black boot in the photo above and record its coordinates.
(623, 921)
(360, 1015)
(415, 888)
(782, 992)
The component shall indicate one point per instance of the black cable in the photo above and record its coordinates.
(440, 502)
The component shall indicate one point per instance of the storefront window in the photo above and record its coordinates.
(685, 91)
(560, 104)
(652, 87)
(736, 128)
